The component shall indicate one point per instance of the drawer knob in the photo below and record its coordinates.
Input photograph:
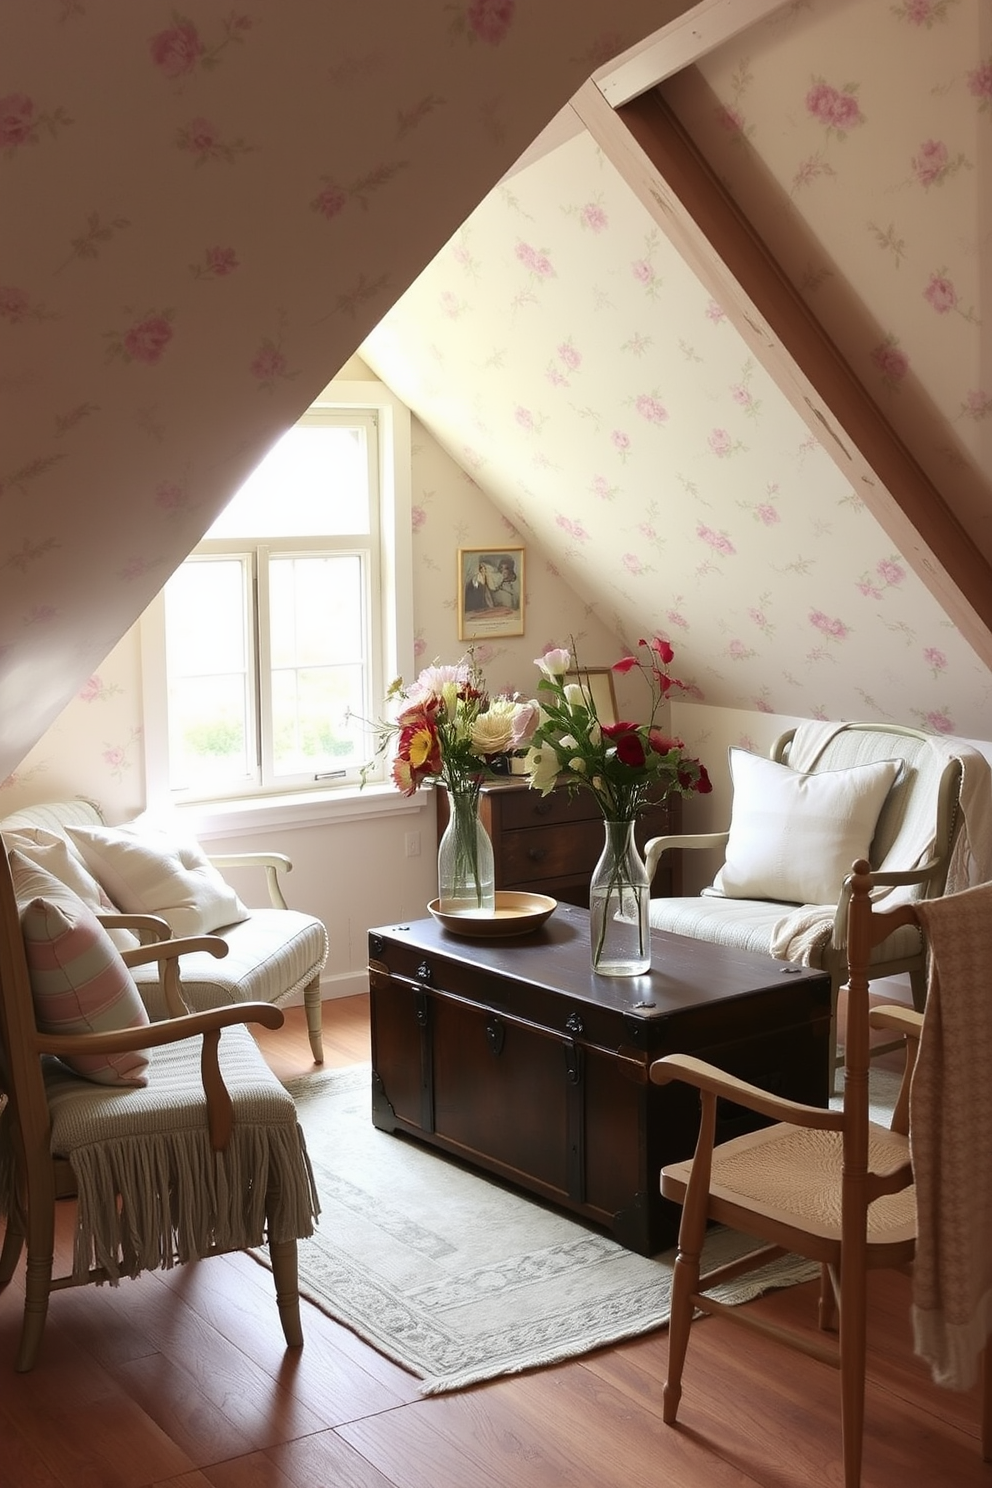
(537, 853)
(495, 1035)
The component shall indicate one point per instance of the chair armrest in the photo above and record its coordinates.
(208, 1025)
(655, 846)
(900, 1019)
(147, 927)
(893, 880)
(712, 1081)
(167, 953)
(273, 863)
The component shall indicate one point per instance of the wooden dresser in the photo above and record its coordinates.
(550, 844)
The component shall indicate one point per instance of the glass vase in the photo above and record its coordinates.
(619, 931)
(465, 868)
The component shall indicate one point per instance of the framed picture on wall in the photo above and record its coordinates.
(490, 593)
(597, 684)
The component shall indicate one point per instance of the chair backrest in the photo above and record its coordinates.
(920, 808)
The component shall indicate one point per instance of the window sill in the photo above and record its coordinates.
(208, 819)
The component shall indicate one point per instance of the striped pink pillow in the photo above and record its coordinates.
(78, 981)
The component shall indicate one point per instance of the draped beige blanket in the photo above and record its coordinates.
(951, 1140)
(802, 933)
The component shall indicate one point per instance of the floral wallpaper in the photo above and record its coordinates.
(562, 352)
(204, 213)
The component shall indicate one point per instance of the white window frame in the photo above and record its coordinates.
(395, 622)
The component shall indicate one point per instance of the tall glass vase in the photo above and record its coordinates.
(619, 932)
(465, 869)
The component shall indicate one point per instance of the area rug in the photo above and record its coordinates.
(459, 1278)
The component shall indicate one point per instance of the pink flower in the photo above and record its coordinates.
(978, 404)
(676, 618)
(222, 261)
(524, 418)
(329, 202)
(593, 217)
(620, 440)
(767, 514)
(834, 628)
(941, 723)
(889, 571)
(114, 756)
(269, 363)
(930, 163)
(16, 119)
(200, 136)
(715, 312)
(941, 294)
(834, 109)
(418, 518)
(730, 120)
(13, 304)
(642, 271)
(980, 81)
(90, 690)
(762, 706)
(919, 12)
(720, 443)
(868, 589)
(738, 651)
(718, 541)
(570, 356)
(890, 361)
(533, 259)
(170, 496)
(146, 341)
(651, 409)
(176, 51)
(935, 658)
(601, 487)
(490, 20)
(632, 564)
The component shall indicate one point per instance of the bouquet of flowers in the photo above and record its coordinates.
(448, 730)
(620, 763)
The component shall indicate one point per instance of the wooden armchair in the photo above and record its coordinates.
(789, 846)
(829, 1185)
(198, 1155)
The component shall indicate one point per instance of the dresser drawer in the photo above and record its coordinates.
(532, 855)
(522, 809)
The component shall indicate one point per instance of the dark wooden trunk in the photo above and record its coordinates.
(512, 1055)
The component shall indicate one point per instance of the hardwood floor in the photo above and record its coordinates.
(181, 1379)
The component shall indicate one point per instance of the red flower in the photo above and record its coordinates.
(625, 663)
(661, 648)
(662, 743)
(629, 745)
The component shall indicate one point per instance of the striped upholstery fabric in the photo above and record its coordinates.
(151, 1147)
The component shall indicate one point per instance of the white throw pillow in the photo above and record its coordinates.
(149, 871)
(793, 837)
(50, 851)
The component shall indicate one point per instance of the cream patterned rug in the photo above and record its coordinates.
(456, 1277)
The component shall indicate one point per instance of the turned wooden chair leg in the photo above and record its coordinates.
(314, 1010)
(38, 1276)
(283, 1256)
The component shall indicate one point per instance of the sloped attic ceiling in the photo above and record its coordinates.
(563, 351)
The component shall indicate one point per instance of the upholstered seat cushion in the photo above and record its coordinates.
(748, 924)
(152, 1145)
(271, 956)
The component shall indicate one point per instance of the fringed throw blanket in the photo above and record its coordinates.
(179, 1198)
(951, 1140)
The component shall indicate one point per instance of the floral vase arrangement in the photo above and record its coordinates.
(448, 730)
(624, 765)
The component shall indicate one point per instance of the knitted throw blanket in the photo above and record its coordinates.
(951, 1140)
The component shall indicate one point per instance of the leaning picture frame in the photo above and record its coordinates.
(490, 593)
(597, 685)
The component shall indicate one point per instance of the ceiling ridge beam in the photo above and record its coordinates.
(645, 142)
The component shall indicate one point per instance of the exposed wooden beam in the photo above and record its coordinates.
(699, 29)
(647, 145)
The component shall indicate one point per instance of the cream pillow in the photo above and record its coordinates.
(50, 851)
(149, 871)
(793, 837)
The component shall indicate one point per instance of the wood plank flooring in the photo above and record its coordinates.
(181, 1379)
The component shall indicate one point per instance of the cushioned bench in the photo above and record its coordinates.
(273, 952)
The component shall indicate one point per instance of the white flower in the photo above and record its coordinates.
(542, 766)
(492, 731)
(554, 663)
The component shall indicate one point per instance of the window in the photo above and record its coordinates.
(280, 632)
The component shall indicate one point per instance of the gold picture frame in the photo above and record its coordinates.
(490, 593)
(597, 683)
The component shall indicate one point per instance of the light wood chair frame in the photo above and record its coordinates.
(41, 1177)
(846, 1256)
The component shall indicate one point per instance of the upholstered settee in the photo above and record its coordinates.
(827, 795)
(274, 952)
